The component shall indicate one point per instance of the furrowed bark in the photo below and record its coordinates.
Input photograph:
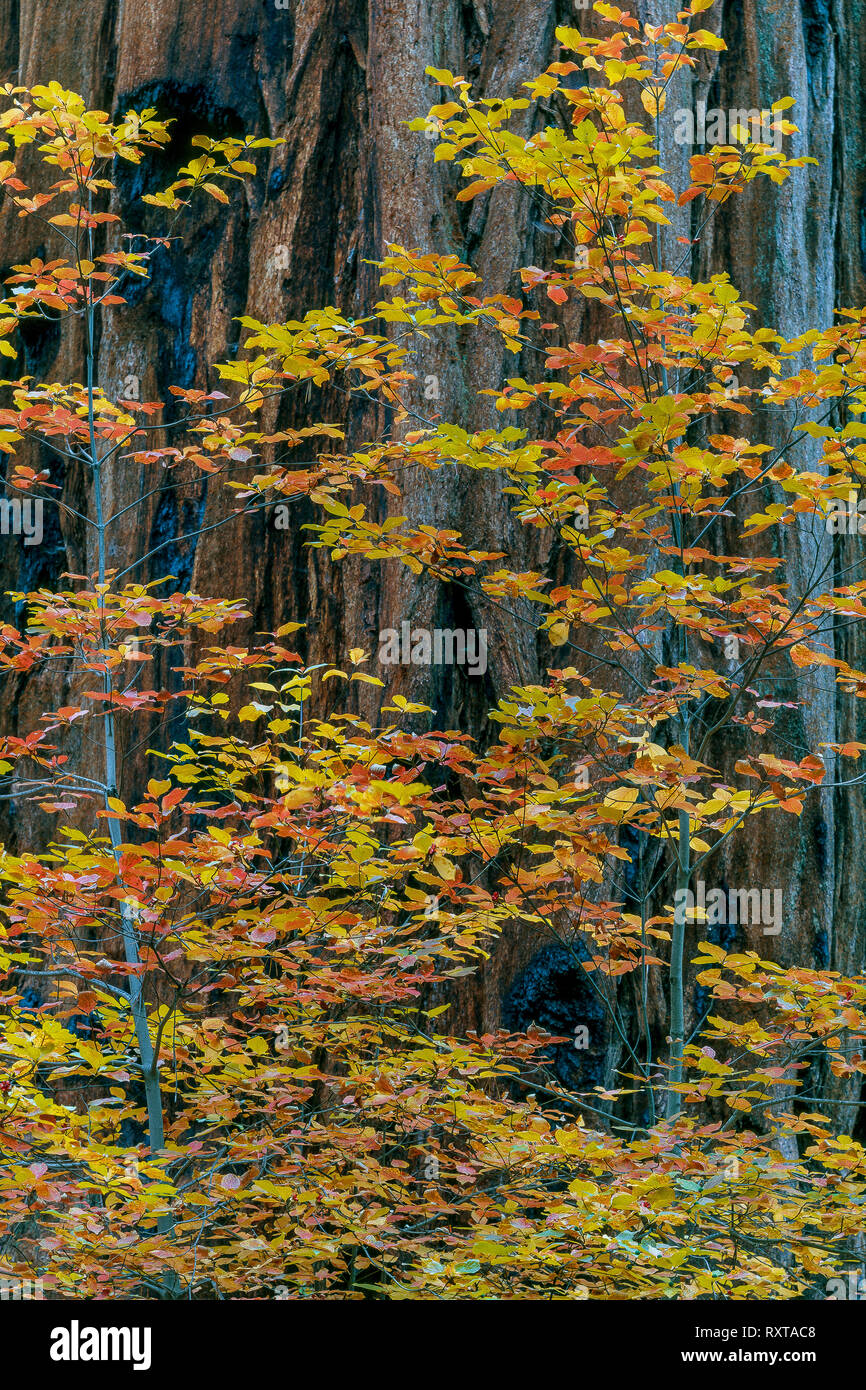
(337, 79)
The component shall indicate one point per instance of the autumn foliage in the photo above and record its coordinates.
(225, 994)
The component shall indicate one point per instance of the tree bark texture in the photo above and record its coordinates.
(338, 79)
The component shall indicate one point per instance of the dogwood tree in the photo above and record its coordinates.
(228, 1068)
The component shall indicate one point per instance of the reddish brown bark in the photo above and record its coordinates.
(338, 78)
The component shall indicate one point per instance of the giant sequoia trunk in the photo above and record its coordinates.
(338, 79)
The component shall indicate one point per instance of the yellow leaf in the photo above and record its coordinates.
(738, 1103)
(445, 868)
(571, 1141)
(442, 76)
(653, 100)
(579, 1188)
(702, 38)
(618, 802)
